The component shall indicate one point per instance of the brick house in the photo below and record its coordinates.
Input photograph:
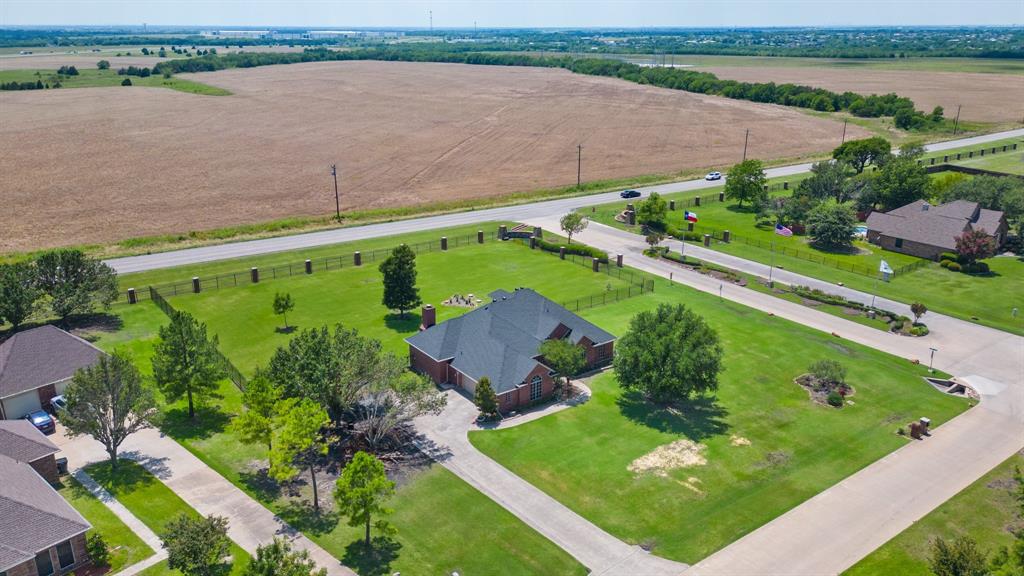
(40, 533)
(501, 340)
(926, 231)
(22, 442)
(36, 365)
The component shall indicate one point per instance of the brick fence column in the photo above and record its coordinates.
(538, 232)
(195, 284)
(689, 226)
(309, 266)
(696, 201)
(133, 298)
(707, 240)
(671, 204)
(631, 217)
(725, 236)
(533, 242)
(721, 196)
(444, 242)
(357, 259)
(561, 252)
(618, 260)
(502, 232)
(596, 264)
(479, 236)
(254, 274)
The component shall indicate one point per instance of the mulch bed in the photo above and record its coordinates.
(819, 390)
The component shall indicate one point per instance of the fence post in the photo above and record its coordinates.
(725, 236)
(596, 264)
(502, 232)
(721, 196)
(254, 274)
(561, 252)
(957, 155)
(931, 161)
(707, 240)
(618, 260)
(696, 201)
(689, 226)
(785, 185)
(945, 158)
(309, 266)
(357, 258)
(444, 242)
(538, 232)
(533, 242)
(631, 217)
(195, 284)
(133, 298)
(671, 204)
(479, 236)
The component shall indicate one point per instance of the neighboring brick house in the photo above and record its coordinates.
(926, 231)
(40, 533)
(501, 340)
(36, 365)
(21, 441)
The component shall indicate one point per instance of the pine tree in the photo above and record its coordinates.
(399, 270)
(485, 398)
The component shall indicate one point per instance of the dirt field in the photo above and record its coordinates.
(102, 164)
(984, 97)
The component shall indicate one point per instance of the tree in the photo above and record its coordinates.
(75, 283)
(828, 371)
(959, 558)
(395, 398)
(652, 212)
(573, 223)
(918, 309)
(126, 82)
(399, 270)
(18, 292)
(654, 238)
(669, 354)
(283, 304)
(827, 180)
(745, 182)
(900, 181)
(108, 402)
(485, 399)
(991, 192)
(298, 442)
(566, 359)
(256, 424)
(103, 65)
(196, 546)
(361, 491)
(832, 225)
(279, 559)
(860, 153)
(185, 361)
(975, 245)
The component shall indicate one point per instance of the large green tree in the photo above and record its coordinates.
(827, 180)
(255, 425)
(108, 402)
(399, 270)
(185, 361)
(860, 153)
(900, 181)
(1002, 193)
(652, 212)
(18, 292)
(361, 491)
(566, 359)
(196, 546)
(745, 182)
(279, 559)
(299, 443)
(831, 225)
(75, 283)
(669, 354)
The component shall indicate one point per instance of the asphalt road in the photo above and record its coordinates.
(517, 213)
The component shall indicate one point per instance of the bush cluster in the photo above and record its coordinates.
(135, 71)
(37, 85)
(577, 249)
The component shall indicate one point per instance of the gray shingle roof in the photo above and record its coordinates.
(501, 340)
(20, 440)
(921, 222)
(41, 356)
(34, 515)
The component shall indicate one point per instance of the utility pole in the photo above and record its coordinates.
(745, 139)
(579, 163)
(431, 12)
(844, 131)
(956, 123)
(337, 200)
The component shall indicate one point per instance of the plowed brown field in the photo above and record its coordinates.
(102, 164)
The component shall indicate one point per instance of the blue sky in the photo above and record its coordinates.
(507, 14)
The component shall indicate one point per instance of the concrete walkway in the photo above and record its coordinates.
(599, 551)
(250, 523)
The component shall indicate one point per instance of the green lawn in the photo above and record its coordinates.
(985, 511)
(126, 548)
(153, 503)
(94, 78)
(1008, 162)
(797, 448)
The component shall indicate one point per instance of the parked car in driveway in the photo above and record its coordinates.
(713, 176)
(629, 194)
(59, 403)
(42, 421)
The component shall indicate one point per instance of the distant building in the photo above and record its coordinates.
(926, 231)
(238, 33)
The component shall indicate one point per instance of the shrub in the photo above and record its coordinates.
(945, 263)
(921, 330)
(835, 399)
(828, 371)
(948, 256)
(97, 549)
(976, 268)
(577, 249)
(901, 431)
(953, 267)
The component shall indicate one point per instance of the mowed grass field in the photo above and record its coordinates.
(796, 448)
(985, 511)
(1010, 163)
(95, 78)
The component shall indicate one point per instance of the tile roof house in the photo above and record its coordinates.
(926, 231)
(36, 365)
(21, 441)
(40, 533)
(501, 340)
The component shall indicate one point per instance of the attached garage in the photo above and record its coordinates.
(17, 406)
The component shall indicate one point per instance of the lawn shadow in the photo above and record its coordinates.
(697, 419)
(396, 322)
(209, 420)
(299, 514)
(127, 478)
(375, 561)
(748, 209)
(85, 326)
(286, 329)
(260, 482)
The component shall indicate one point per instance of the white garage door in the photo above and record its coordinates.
(17, 406)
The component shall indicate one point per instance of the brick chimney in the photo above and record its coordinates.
(428, 316)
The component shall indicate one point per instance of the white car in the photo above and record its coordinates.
(713, 176)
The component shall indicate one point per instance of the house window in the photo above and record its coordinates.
(44, 566)
(536, 388)
(65, 555)
(899, 242)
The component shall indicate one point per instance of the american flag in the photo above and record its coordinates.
(783, 231)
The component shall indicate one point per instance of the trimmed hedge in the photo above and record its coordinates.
(577, 249)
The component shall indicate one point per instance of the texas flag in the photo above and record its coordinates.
(690, 216)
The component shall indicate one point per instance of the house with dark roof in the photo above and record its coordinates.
(21, 441)
(40, 533)
(926, 231)
(36, 365)
(501, 340)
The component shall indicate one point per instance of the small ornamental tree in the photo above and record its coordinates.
(485, 399)
(918, 309)
(975, 245)
(298, 442)
(185, 361)
(832, 226)
(961, 557)
(828, 371)
(283, 304)
(399, 270)
(653, 239)
(196, 546)
(573, 223)
(18, 292)
(669, 354)
(279, 559)
(745, 182)
(255, 425)
(361, 491)
(652, 212)
(566, 359)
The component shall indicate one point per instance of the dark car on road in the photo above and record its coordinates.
(42, 421)
(629, 194)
